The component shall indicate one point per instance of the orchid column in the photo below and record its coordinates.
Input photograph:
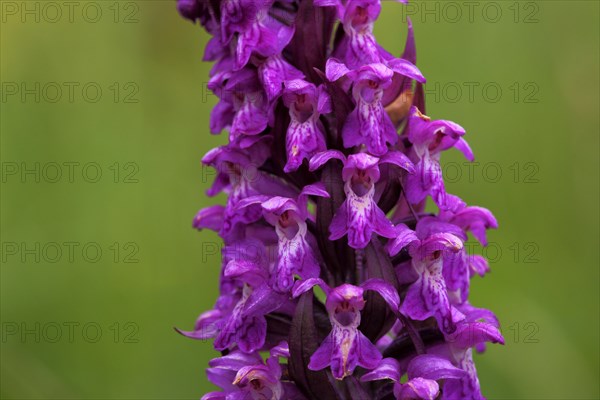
(335, 282)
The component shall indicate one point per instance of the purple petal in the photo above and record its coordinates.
(245, 270)
(388, 368)
(316, 189)
(410, 49)
(381, 224)
(249, 201)
(417, 388)
(339, 223)
(469, 334)
(281, 350)
(207, 326)
(406, 68)
(464, 148)
(209, 218)
(437, 242)
(307, 284)
(322, 357)
(368, 355)
(399, 159)
(433, 367)
(335, 69)
(477, 220)
(321, 158)
(324, 101)
(466, 388)
(428, 226)
(386, 290)
(478, 265)
(404, 236)
(263, 300)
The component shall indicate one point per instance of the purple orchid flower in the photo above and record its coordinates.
(359, 216)
(359, 46)
(239, 176)
(429, 138)
(244, 323)
(248, 23)
(305, 134)
(428, 296)
(243, 106)
(274, 72)
(346, 347)
(307, 80)
(288, 216)
(478, 327)
(368, 123)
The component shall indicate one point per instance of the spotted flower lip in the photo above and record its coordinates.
(333, 274)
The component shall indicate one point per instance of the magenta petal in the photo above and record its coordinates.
(385, 290)
(209, 218)
(214, 396)
(207, 326)
(368, 355)
(428, 296)
(321, 158)
(406, 68)
(437, 242)
(466, 388)
(324, 101)
(414, 305)
(433, 367)
(464, 148)
(417, 388)
(477, 220)
(339, 223)
(317, 189)
(335, 69)
(388, 368)
(307, 284)
(281, 350)
(369, 124)
(478, 265)
(247, 270)
(322, 357)
(469, 334)
(381, 224)
(399, 159)
(404, 236)
(262, 301)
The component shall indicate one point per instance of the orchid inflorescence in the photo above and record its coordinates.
(335, 281)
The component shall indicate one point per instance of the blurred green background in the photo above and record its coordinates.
(521, 77)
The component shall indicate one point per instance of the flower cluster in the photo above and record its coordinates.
(335, 281)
